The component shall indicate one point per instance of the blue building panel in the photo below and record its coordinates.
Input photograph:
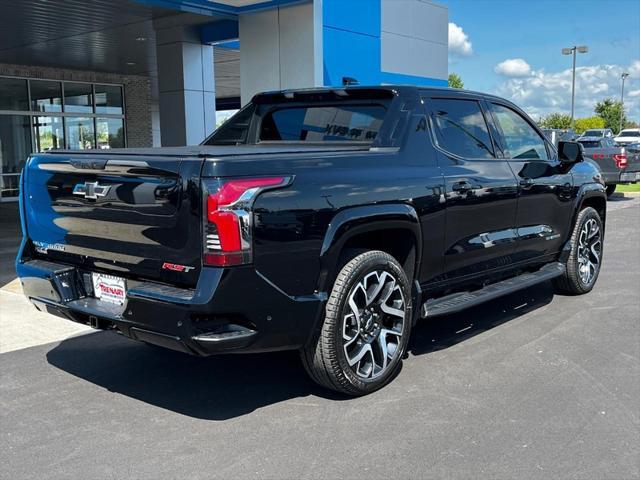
(352, 45)
(350, 54)
(358, 16)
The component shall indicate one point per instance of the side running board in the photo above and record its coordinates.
(459, 301)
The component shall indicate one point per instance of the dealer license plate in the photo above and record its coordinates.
(109, 288)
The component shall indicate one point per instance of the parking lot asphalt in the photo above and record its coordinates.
(528, 386)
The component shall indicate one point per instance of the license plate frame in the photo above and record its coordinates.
(109, 288)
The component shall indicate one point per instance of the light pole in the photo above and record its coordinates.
(569, 51)
(623, 76)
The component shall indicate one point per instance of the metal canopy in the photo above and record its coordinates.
(101, 35)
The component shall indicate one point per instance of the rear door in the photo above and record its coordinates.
(545, 186)
(480, 189)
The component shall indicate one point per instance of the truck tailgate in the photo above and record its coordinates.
(127, 215)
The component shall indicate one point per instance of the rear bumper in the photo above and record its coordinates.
(230, 310)
(624, 176)
(630, 177)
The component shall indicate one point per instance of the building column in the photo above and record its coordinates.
(280, 48)
(186, 86)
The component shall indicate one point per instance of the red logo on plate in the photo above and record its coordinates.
(109, 290)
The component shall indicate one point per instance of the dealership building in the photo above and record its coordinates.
(81, 74)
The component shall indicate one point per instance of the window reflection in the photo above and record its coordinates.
(46, 96)
(48, 133)
(521, 140)
(80, 133)
(460, 128)
(13, 94)
(110, 132)
(78, 97)
(108, 99)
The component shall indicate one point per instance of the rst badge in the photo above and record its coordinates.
(91, 190)
(174, 267)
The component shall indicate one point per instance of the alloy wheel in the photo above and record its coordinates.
(589, 251)
(374, 324)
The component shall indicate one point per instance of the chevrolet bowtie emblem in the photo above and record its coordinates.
(91, 190)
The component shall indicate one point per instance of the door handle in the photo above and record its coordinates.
(526, 183)
(462, 187)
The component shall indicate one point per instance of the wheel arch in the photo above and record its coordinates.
(591, 195)
(364, 227)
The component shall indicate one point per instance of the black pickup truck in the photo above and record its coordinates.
(326, 220)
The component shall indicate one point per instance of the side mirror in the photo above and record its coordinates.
(570, 152)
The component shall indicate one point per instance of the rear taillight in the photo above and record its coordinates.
(228, 218)
(621, 160)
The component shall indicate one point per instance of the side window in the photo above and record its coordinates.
(460, 128)
(520, 139)
(234, 131)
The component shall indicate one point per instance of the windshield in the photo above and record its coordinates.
(630, 133)
(593, 133)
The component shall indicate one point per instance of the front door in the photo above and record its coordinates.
(481, 190)
(545, 186)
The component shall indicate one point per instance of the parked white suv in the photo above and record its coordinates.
(628, 135)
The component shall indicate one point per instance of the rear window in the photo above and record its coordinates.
(339, 123)
(590, 144)
(630, 133)
(460, 128)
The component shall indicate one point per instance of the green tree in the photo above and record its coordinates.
(556, 120)
(455, 81)
(582, 124)
(610, 111)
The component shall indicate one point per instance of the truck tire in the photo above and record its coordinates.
(365, 332)
(611, 190)
(583, 266)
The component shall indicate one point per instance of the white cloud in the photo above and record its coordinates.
(459, 43)
(513, 67)
(542, 93)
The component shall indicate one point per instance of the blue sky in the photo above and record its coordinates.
(531, 34)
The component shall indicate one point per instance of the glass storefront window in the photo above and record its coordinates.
(15, 146)
(80, 133)
(78, 97)
(46, 96)
(48, 133)
(109, 99)
(110, 132)
(13, 94)
(57, 115)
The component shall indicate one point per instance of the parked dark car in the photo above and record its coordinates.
(618, 164)
(326, 220)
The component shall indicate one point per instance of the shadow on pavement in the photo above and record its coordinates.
(619, 197)
(228, 386)
(442, 332)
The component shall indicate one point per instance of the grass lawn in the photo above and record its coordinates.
(633, 187)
